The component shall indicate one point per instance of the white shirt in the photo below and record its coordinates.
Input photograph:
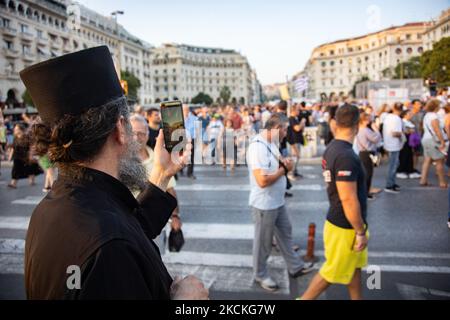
(392, 123)
(259, 157)
(214, 128)
(427, 126)
(148, 164)
(265, 116)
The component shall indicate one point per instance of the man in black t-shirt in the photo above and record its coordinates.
(295, 137)
(305, 114)
(345, 230)
(154, 124)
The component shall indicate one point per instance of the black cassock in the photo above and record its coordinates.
(95, 223)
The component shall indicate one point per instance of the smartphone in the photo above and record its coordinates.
(173, 122)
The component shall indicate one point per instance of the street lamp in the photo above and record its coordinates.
(114, 14)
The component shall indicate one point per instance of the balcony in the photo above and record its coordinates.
(11, 53)
(10, 75)
(28, 57)
(27, 36)
(42, 40)
(56, 44)
(8, 31)
(68, 47)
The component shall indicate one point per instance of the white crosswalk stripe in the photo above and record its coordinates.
(228, 272)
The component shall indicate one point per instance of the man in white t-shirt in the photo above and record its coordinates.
(267, 189)
(265, 115)
(393, 143)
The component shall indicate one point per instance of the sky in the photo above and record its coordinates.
(277, 37)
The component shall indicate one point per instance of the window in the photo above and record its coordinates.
(420, 49)
(409, 50)
(8, 45)
(26, 49)
(6, 22)
(398, 51)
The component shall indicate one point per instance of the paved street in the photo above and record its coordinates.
(410, 240)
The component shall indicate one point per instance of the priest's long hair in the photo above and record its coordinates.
(76, 139)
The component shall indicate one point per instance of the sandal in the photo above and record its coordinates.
(426, 184)
(12, 186)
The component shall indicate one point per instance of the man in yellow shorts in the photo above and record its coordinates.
(345, 231)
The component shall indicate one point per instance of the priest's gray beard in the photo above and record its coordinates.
(132, 172)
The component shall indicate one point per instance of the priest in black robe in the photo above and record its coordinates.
(89, 238)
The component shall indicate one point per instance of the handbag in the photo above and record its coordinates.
(414, 140)
(288, 183)
(176, 240)
(375, 156)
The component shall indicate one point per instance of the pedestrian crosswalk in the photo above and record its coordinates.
(218, 230)
(225, 271)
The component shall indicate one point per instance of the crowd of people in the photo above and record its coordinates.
(116, 181)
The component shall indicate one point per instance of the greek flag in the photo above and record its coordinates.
(301, 84)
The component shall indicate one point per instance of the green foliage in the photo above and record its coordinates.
(202, 98)
(225, 94)
(436, 62)
(27, 99)
(133, 83)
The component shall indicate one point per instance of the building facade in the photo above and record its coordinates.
(333, 68)
(33, 31)
(437, 30)
(182, 71)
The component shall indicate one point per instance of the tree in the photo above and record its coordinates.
(133, 83)
(387, 73)
(225, 94)
(436, 62)
(27, 99)
(410, 69)
(362, 79)
(202, 98)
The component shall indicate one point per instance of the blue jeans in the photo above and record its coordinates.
(394, 161)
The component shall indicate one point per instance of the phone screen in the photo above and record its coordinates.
(173, 124)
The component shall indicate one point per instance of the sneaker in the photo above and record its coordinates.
(415, 175)
(307, 268)
(267, 284)
(46, 190)
(298, 175)
(288, 195)
(402, 175)
(370, 197)
(393, 189)
(397, 186)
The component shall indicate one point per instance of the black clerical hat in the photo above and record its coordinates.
(72, 83)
